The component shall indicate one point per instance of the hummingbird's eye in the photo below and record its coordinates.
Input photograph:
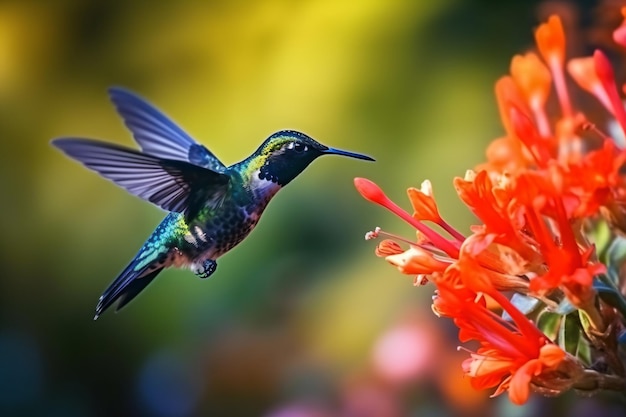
(299, 147)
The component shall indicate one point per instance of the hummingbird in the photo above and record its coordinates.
(211, 207)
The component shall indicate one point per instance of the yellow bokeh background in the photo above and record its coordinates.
(288, 324)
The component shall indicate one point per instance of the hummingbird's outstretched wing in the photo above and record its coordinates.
(170, 184)
(157, 134)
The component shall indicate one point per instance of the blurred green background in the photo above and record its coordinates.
(301, 319)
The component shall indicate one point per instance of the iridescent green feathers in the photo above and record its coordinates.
(285, 154)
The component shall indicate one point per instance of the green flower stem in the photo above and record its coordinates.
(603, 340)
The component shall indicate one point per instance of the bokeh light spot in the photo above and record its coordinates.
(168, 387)
(20, 371)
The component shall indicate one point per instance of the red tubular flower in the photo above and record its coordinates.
(487, 368)
(595, 180)
(583, 71)
(532, 77)
(540, 187)
(488, 271)
(492, 205)
(568, 268)
(534, 80)
(604, 70)
(527, 132)
(508, 94)
(550, 39)
(510, 356)
(505, 154)
(372, 192)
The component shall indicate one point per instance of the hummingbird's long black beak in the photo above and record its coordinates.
(334, 151)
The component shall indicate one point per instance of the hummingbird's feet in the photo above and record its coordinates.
(205, 269)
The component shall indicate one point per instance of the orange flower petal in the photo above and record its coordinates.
(583, 71)
(424, 205)
(532, 77)
(550, 39)
(526, 131)
(507, 94)
(519, 387)
(417, 261)
(486, 371)
(506, 155)
(551, 355)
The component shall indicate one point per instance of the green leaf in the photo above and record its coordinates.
(549, 323)
(583, 351)
(601, 236)
(570, 334)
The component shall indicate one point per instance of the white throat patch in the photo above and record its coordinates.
(264, 188)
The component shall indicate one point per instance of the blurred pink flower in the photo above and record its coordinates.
(404, 353)
(300, 409)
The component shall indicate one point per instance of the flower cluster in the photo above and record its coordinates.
(551, 199)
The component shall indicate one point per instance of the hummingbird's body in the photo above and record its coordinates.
(211, 207)
(183, 242)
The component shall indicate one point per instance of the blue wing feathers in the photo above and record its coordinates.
(138, 112)
(157, 135)
(170, 184)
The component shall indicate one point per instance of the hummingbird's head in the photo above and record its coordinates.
(285, 154)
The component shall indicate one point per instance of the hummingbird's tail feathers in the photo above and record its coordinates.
(157, 134)
(134, 288)
(130, 282)
(171, 185)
